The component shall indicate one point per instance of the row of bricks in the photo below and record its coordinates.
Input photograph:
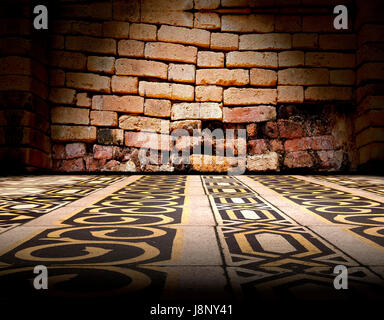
(204, 59)
(216, 41)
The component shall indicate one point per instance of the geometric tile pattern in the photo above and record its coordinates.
(363, 217)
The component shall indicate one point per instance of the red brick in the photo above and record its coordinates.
(58, 151)
(70, 115)
(328, 93)
(271, 41)
(291, 59)
(132, 104)
(290, 129)
(102, 152)
(224, 41)
(323, 143)
(188, 125)
(147, 140)
(157, 108)
(305, 40)
(133, 67)
(224, 77)
(103, 118)
(73, 133)
(287, 23)
(257, 146)
(251, 59)
(181, 72)
(210, 59)
(82, 100)
(290, 94)
(262, 77)
(299, 159)
(276, 145)
(197, 37)
(303, 76)
(110, 136)
(101, 64)
(62, 95)
(123, 84)
(246, 96)
(130, 48)
(68, 60)
(75, 150)
(126, 10)
(331, 159)
(88, 81)
(142, 31)
(249, 114)
(75, 165)
(139, 123)
(90, 44)
(247, 23)
(170, 52)
(116, 29)
(263, 162)
(331, 60)
(298, 144)
(207, 20)
(251, 130)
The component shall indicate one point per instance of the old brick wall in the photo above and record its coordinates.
(278, 69)
(24, 109)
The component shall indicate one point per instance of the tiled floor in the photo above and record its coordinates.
(192, 238)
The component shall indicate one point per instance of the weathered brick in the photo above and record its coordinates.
(87, 28)
(274, 41)
(331, 159)
(90, 44)
(291, 59)
(251, 59)
(210, 59)
(110, 136)
(249, 114)
(73, 165)
(82, 100)
(73, 133)
(371, 71)
(157, 108)
(305, 40)
(328, 59)
(188, 125)
(251, 130)
(287, 23)
(181, 72)
(290, 94)
(99, 11)
(57, 42)
(147, 140)
(88, 81)
(263, 162)
(130, 48)
(276, 145)
(116, 29)
(270, 129)
(224, 77)
(170, 52)
(62, 95)
(342, 77)
(371, 118)
(101, 64)
(102, 152)
(262, 77)
(132, 104)
(133, 67)
(224, 41)
(126, 10)
(197, 110)
(68, 60)
(142, 31)
(302, 76)
(298, 159)
(370, 52)
(319, 23)
(308, 143)
(207, 4)
(209, 93)
(247, 23)
(337, 41)
(103, 118)
(369, 135)
(139, 123)
(75, 150)
(207, 20)
(370, 33)
(56, 78)
(245, 96)
(328, 93)
(69, 115)
(208, 163)
(290, 129)
(124, 84)
(257, 146)
(58, 151)
(186, 142)
(172, 91)
(197, 37)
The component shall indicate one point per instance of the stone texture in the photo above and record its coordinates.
(298, 159)
(263, 162)
(75, 150)
(207, 163)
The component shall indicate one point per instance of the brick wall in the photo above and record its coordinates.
(24, 109)
(277, 69)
